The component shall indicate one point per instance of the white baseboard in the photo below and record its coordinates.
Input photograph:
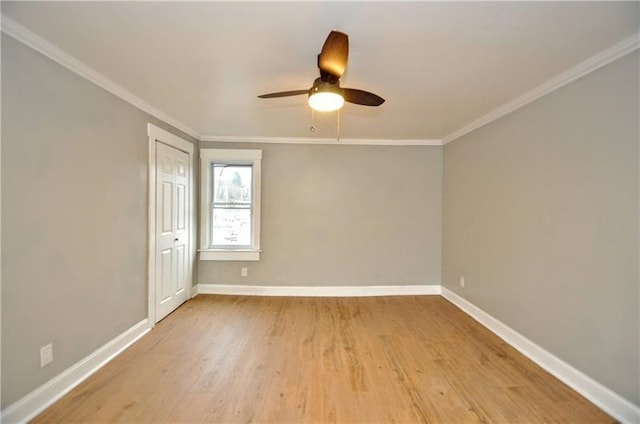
(194, 291)
(609, 401)
(38, 400)
(319, 291)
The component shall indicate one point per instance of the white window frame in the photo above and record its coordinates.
(230, 157)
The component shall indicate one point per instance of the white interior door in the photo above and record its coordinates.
(172, 229)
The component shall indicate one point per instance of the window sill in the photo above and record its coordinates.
(229, 255)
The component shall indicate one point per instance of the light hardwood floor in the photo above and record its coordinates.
(235, 359)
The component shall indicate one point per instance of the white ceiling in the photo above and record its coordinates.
(439, 65)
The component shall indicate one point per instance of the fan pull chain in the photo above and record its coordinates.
(338, 126)
(312, 128)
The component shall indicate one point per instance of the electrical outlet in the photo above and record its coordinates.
(244, 271)
(462, 282)
(46, 355)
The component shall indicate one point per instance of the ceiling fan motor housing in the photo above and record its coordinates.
(320, 86)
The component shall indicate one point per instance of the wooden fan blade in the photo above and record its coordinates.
(361, 97)
(332, 60)
(284, 94)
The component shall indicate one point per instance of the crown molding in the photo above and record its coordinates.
(42, 46)
(597, 61)
(310, 140)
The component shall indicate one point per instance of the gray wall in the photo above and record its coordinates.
(74, 217)
(344, 215)
(541, 217)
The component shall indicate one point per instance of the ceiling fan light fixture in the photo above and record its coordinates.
(325, 97)
(326, 101)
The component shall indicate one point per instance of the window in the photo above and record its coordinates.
(230, 196)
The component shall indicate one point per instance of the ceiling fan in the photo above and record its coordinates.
(326, 95)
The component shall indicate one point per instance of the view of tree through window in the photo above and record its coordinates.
(231, 208)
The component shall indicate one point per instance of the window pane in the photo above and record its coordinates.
(231, 227)
(232, 183)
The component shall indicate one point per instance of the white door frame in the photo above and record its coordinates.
(156, 135)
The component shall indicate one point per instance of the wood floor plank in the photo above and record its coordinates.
(243, 359)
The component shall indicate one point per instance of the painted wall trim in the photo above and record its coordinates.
(37, 401)
(596, 61)
(194, 291)
(609, 401)
(39, 44)
(320, 291)
(310, 140)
